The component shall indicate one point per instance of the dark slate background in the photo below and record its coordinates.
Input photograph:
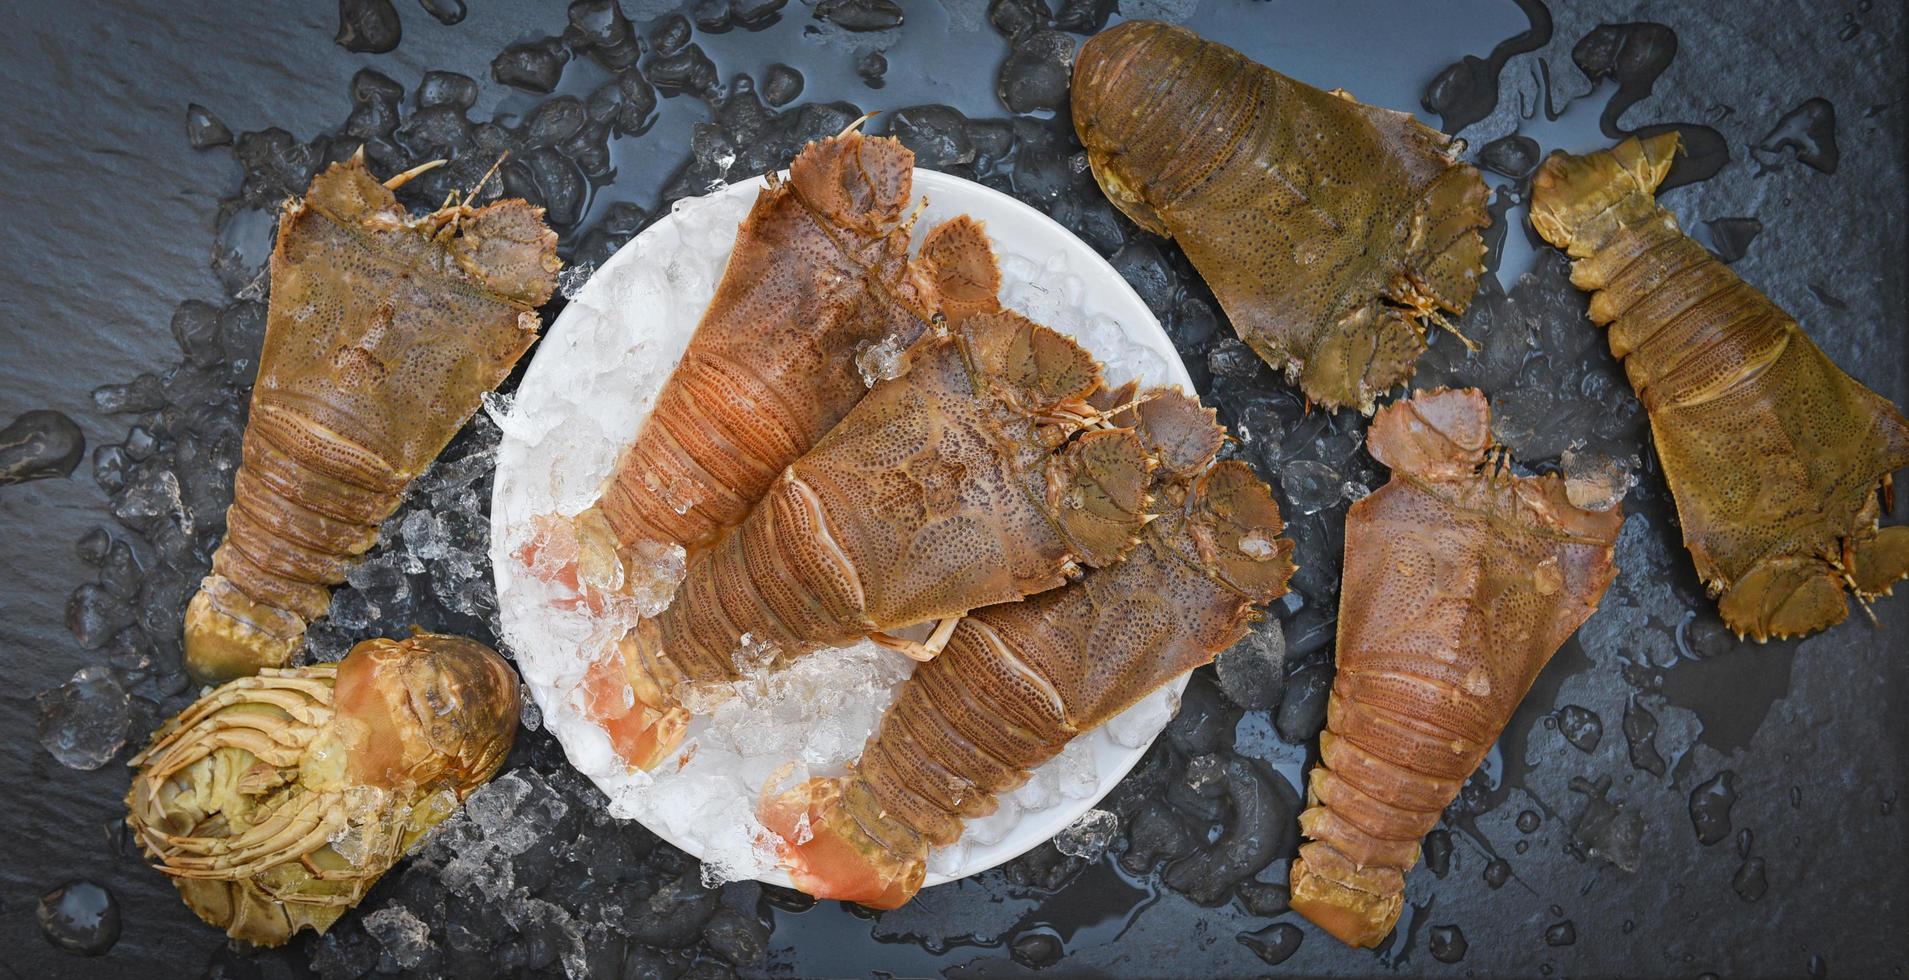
(108, 221)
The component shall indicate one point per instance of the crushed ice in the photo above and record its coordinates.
(83, 722)
(1088, 835)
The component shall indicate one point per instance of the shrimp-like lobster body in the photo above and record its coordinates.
(276, 801)
(382, 334)
(1461, 581)
(1774, 455)
(965, 482)
(1328, 229)
(1019, 680)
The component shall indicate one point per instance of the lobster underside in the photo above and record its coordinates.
(276, 801)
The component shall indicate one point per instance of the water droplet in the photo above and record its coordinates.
(1447, 944)
(80, 917)
(1580, 726)
(1750, 882)
(1710, 805)
(1274, 944)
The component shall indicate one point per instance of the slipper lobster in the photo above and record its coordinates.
(382, 334)
(1328, 229)
(1774, 455)
(276, 801)
(1019, 680)
(820, 273)
(1462, 580)
(982, 475)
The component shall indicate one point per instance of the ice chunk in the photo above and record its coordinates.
(1595, 480)
(570, 281)
(83, 721)
(1309, 485)
(1042, 789)
(1137, 726)
(948, 860)
(882, 361)
(994, 827)
(1075, 773)
(365, 823)
(1088, 835)
(528, 712)
(516, 424)
(402, 934)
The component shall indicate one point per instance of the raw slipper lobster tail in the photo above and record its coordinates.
(1774, 455)
(1462, 580)
(820, 275)
(982, 475)
(382, 334)
(1330, 231)
(276, 801)
(1019, 680)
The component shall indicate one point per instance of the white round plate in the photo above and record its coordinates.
(590, 385)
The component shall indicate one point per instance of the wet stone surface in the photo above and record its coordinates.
(611, 110)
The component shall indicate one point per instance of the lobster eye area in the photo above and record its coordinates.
(591, 384)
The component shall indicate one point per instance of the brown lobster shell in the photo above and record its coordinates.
(1461, 581)
(820, 271)
(1019, 680)
(1773, 453)
(382, 334)
(965, 482)
(1328, 229)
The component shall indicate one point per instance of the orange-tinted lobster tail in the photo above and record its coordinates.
(1462, 580)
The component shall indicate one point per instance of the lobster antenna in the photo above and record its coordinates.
(481, 181)
(857, 124)
(399, 180)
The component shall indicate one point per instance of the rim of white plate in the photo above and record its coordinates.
(1104, 296)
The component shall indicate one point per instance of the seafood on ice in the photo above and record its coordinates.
(276, 801)
(820, 276)
(1329, 230)
(382, 334)
(1017, 681)
(1462, 579)
(981, 475)
(1774, 455)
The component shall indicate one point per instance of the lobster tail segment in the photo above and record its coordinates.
(1579, 203)
(1031, 367)
(835, 842)
(1235, 523)
(1097, 490)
